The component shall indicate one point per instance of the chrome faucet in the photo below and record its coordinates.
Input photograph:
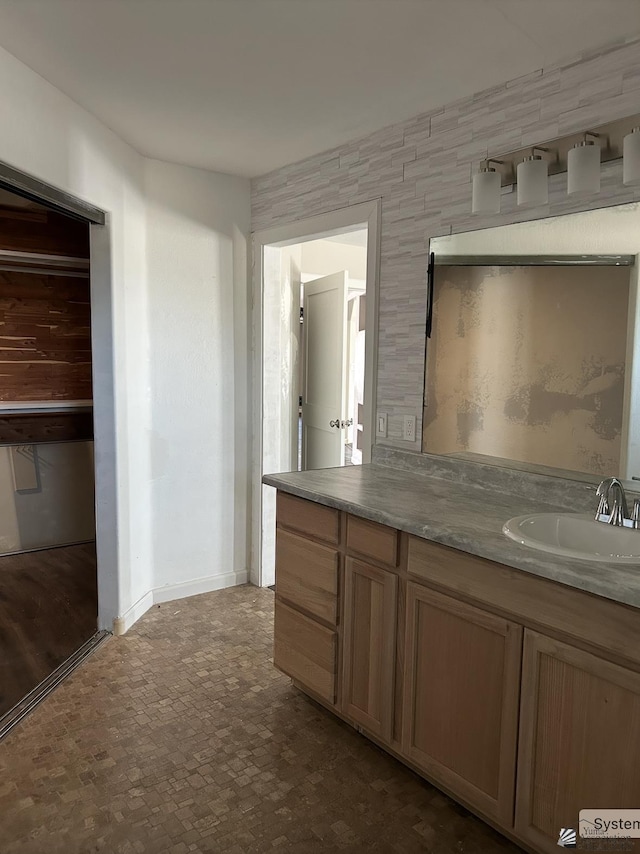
(613, 503)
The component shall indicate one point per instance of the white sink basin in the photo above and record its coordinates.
(575, 535)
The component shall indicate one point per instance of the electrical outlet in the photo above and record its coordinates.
(409, 428)
(381, 427)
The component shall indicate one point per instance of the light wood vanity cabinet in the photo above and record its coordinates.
(579, 738)
(518, 696)
(370, 619)
(307, 517)
(370, 625)
(461, 698)
(308, 575)
(377, 542)
(307, 586)
(306, 651)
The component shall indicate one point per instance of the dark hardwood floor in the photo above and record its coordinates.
(48, 609)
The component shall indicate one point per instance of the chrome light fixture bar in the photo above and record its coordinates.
(578, 154)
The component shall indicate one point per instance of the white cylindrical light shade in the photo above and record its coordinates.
(631, 158)
(485, 196)
(533, 181)
(583, 169)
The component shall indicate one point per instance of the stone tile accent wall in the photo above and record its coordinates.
(422, 171)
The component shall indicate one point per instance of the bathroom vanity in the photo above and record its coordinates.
(508, 678)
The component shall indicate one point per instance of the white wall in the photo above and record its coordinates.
(323, 257)
(140, 412)
(197, 227)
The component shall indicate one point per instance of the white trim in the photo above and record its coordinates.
(171, 592)
(318, 227)
(123, 624)
(366, 214)
(104, 426)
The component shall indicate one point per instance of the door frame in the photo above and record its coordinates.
(367, 215)
(104, 426)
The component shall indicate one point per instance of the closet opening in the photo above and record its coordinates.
(48, 565)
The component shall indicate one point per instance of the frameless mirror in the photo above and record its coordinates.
(532, 360)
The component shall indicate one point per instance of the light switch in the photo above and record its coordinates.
(381, 428)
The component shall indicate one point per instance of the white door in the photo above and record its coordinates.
(325, 356)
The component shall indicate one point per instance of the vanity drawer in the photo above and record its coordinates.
(308, 517)
(372, 540)
(307, 575)
(537, 603)
(305, 651)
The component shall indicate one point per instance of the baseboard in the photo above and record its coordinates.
(170, 592)
(123, 624)
(199, 585)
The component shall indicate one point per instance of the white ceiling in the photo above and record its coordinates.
(246, 86)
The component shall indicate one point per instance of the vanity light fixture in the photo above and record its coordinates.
(583, 166)
(532, 176)
(487, 183)
(631, 157)
(579, 154)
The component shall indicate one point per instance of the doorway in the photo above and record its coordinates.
(48, 564)
(316, 288)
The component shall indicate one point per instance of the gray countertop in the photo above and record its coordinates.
(463, 516)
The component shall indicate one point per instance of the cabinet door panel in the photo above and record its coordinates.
(370, 646)
(307, 575)
(461, 699)
(579, 738)
(306, 651)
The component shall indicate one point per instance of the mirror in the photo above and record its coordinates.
(532, 361)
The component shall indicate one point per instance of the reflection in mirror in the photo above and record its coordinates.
(531, 359)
